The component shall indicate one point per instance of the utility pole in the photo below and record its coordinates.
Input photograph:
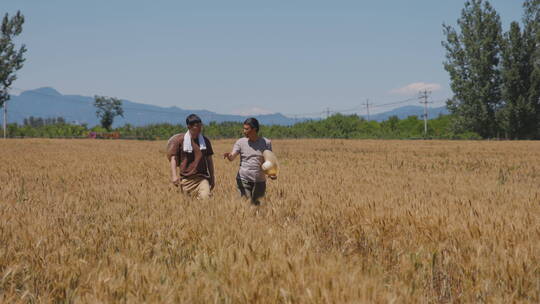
(327, 112)
(5, 119)
(424, 97)
(367, 107)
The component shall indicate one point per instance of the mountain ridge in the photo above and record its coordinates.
(48, 102)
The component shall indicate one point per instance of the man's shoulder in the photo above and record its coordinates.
(267, 141)
(176, 138)
(173, 145)
(206, 139)
(242, 140)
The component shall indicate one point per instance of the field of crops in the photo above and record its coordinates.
(346, 221)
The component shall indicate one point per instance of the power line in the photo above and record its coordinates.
(373, 105)
(305, 114)
(393, 103)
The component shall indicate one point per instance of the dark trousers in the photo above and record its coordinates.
(251, 190)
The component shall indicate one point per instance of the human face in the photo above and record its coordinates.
(249, 132)
(195, 129)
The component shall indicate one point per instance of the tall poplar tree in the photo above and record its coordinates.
(518, 117)
(472, 60)
(531, 21)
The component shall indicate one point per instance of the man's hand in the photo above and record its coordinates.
(230, 156)
(176, 181)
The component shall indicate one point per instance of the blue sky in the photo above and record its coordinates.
(249, 57)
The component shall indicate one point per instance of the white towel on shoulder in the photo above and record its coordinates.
(188, 148)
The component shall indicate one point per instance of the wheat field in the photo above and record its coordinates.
(97, 221)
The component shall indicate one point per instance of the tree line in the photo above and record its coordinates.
(336, 126)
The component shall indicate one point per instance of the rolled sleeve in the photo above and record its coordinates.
(173, 146)
(209, 149)
(236, 148)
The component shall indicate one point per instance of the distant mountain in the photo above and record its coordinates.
(48, 102)
(406, 111)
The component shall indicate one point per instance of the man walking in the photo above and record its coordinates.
(192, 153)
(251, 180)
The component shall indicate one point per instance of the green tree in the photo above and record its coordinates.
(518, 117)
(107, 109)
(531, 21)
(472, 60)
(11, 58)
(391, 124)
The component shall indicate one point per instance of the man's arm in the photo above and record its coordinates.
(175, 179)
(211, 171)
(173, 155)
(234, 153)
(230, 156)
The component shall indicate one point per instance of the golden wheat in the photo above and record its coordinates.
(347, 221)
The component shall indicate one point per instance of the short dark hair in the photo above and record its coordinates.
(253, 123)
(193, 119)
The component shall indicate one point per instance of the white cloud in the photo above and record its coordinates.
(416, 87)
(253, 111)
